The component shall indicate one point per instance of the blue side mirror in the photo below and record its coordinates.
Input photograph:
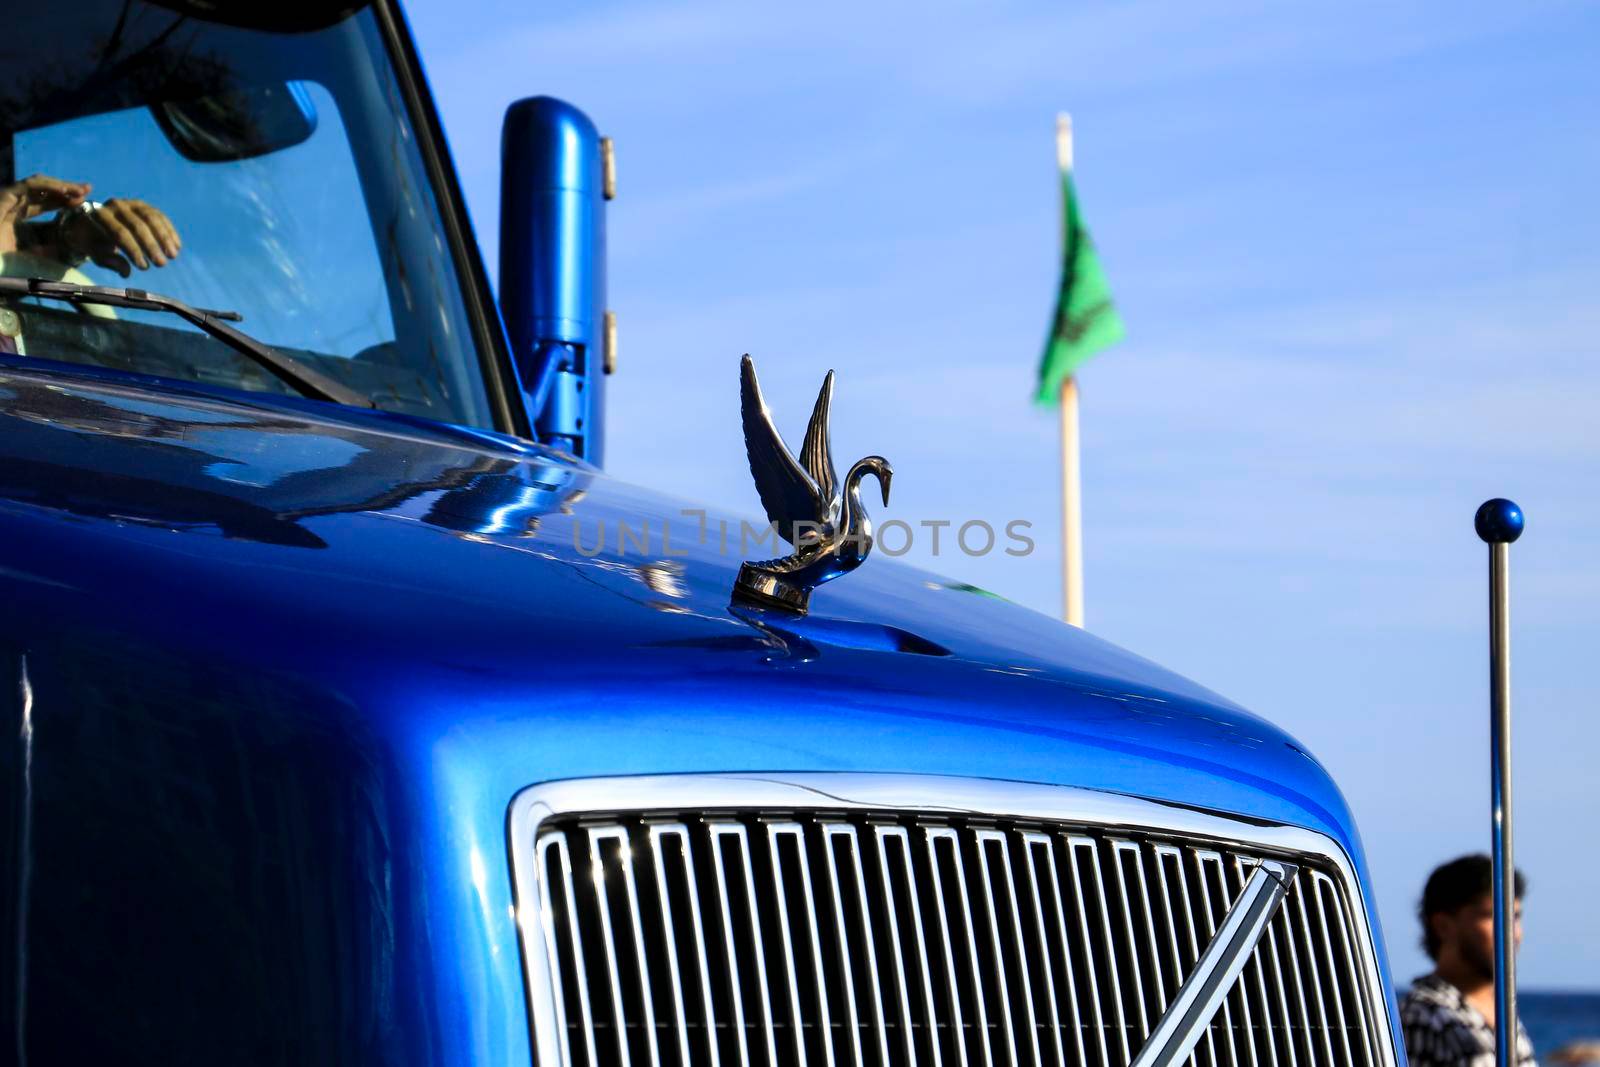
(552, 269)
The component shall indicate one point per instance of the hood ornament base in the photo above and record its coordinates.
(805, 501)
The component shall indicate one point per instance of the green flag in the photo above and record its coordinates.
(1086, 320)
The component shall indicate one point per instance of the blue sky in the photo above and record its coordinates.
(1354, 245)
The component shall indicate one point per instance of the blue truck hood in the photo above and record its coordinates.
(283, 666)
(518, 594)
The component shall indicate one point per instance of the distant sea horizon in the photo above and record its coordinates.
(1558, 1017)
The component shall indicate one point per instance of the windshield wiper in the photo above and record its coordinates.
(306, 380)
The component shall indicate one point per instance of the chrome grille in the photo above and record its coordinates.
(766, 937)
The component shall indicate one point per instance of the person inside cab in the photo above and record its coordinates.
(120, 234)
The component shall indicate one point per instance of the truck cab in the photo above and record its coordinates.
(344, 724)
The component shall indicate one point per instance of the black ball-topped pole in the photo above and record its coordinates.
(1499, 522)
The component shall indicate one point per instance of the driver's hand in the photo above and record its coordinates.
(23, 200)
(123, 232)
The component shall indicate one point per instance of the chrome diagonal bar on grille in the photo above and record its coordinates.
(1224, 959)
(853, 919)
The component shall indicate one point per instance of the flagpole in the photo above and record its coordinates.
(1071, 507)
(1071, 486)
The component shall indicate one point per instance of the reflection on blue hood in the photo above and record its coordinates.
(546, 570)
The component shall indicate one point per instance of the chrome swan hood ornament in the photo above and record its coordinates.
(806, 503)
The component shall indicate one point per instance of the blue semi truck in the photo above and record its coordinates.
(332, 736)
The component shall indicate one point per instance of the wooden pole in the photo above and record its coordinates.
(1071, 486)
(1071, 508)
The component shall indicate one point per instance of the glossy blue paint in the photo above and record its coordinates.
(552, 269)
(289, 663)
(1498, 521)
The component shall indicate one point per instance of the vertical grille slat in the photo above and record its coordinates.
(865, 1011)
(1272, 967)
(1164, 914)
(1278, 994)
(905, 924)
(802, 949)
(1041, 850)
(1030, 950)
(960, 946)
(567, 961)
(664, 893)
(740, 916)
(1180, 909)
(1326, 975)
(1307, 1033)
(1354, 1045)
(632, 1013)
(994, 864)
(1307, 957)
(1088, 966)
(1258, 1018)
(825, 938)
(1105, 942)
(1141, 936)
(1214, 901)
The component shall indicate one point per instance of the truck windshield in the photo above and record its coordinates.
(273, 174)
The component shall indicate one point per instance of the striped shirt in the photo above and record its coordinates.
(1442, 1030)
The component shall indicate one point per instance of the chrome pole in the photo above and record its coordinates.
(1499, 522)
